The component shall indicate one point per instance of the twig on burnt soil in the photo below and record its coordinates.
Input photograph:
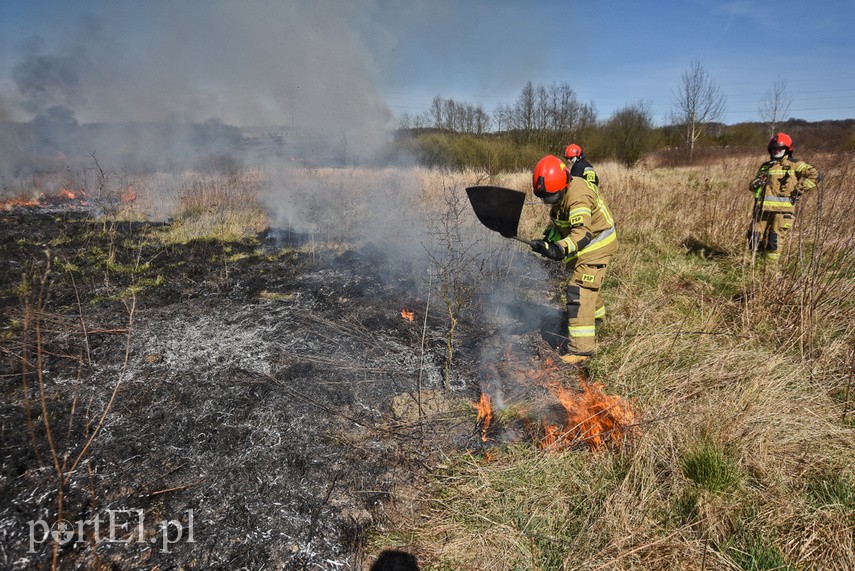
(309, 400)
(391, 430)
(65, 460)
(341, 364)
(82, 320)
(347, 325)
(61, 331)
(313, 523)
(162, 476)
(173, 489)
(422, 349)
(334, 331)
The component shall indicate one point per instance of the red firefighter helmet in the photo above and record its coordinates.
(781, 141)
(573, 150)
(549, 178)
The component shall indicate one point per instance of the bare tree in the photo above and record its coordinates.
(698, 102)
(524, 109)
(481, 121)
(775, 105)
(504, 117)
(436, 112)
(450, 115)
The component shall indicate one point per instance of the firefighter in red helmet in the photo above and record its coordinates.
(778, 184)
(582, 234)
(575, 156)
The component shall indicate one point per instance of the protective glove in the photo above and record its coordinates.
(758, 182)
(548, 249)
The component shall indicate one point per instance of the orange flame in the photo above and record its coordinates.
(593, 417)
(66, 194)
(19, 201)
(130, 195)
(63, 194)
(485, 414)
(588, 417)
(407, 314)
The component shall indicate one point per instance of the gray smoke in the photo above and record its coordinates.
(247, 63)
(300, 65)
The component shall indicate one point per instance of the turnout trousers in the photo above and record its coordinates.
(769, 234)
(585, 307)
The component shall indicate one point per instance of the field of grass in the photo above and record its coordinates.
(741, 373)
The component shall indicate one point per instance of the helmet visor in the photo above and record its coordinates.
(543, 194)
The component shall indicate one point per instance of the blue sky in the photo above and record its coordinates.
(363, 62)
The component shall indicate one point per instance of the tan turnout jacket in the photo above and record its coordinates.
(785, 176)
(582, 224)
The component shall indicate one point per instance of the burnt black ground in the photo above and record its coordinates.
(256, 396)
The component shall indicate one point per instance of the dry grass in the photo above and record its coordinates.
(202, 206)
(745, 458)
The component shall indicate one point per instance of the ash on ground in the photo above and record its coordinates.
(271, 397)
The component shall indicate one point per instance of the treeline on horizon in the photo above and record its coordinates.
(450, 134)
(545, 119)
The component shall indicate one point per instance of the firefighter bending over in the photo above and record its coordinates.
(582, 234)
(777, 187)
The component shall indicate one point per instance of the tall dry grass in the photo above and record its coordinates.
(745, 457)
(197, 205)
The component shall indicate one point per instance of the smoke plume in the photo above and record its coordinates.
(300, 65)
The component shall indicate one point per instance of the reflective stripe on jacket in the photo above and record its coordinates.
(783, 177)
(584, 223)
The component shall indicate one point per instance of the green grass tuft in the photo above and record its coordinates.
(832, 491)
(754, 553)
(709, 467)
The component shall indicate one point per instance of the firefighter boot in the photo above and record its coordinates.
(574, 359)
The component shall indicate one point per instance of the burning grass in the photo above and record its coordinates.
(485, 414)
(62, 198)
(573, 413)
(594, 418)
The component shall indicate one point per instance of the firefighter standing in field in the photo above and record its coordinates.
(582, 234)
(575, 156)
(778, 184)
